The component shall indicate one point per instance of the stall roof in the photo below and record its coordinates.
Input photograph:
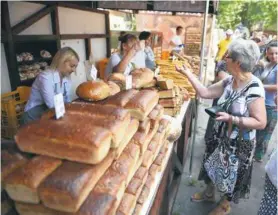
(193, 6)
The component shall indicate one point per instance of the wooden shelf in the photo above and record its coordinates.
(29, 62)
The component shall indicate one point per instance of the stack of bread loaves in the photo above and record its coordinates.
(95, 160)
(171, 97)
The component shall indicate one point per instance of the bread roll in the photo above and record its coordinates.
(137, 209)
(144, 195)
(93, 90)
(156, 113)
(69, 185)
(141, 173)
(150, 84)
(121, 99)
(22, 184)
(64, 139)
(10, 162)
(127, 205)
(153, 170)
(132, 128)
(149, 182)
(140, 139)
(114, 88)
(142, 104)
(34, 209)
(136, 185)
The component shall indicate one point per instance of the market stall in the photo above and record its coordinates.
(132, 164)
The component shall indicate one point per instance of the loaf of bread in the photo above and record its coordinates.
(121, 99)
(93, 90)
(156, 113)
(139, 162)
(69, 185)
(125, 164)
(119, 79)
(153, 170)
(10, 162)
(149, 182)
(141, 77)
(97, 203)
(143, 195)
(145, 126)
(148, 159)
(96, 111)
(163, 94)
(140, 139)
(22, 184)
(160, 161)
(34, 209)
(67, 140)
(127, 205)
(112, 183)
(142, 104)
(166, 84)
(141, 173)
(150, 84)
(132, 128)
(164, 125)
(136, 185)
(172, 102)
(114, 88)
(137, 209)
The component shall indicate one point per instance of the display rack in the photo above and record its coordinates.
(157, 40)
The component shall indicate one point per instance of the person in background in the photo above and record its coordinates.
(149, 55)
(51, 82)
(125, 61)
(122, 33)
(246, 111)
(268, 76)
(268, 204)
(176, 41)
(223, 46)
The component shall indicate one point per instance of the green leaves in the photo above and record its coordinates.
(248, 12)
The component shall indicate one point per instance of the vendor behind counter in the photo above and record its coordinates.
(131, 56)
(51, 82)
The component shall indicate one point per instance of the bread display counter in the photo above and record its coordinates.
(103, 157)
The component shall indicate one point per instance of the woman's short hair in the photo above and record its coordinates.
(63, 55)
(269, 45)
(144, 35)
(126, 38)
(246, 52)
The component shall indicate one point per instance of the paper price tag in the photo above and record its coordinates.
(59, 105)
(128, 82)
(93, 73)
(156, 71)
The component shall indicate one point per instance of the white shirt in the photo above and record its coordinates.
(138, 61)
(177, 41)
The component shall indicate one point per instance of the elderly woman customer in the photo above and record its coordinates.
(241, 96)
(268, 75)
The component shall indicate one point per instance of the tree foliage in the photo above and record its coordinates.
(248, 12)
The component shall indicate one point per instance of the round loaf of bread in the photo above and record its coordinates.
(119, 79)
(93, 90)
(114, 88)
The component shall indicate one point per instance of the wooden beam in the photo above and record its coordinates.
(22, 38)
(84, 8)
(82, 36)
(108, 39)
(31, 19)
(9, 47)
(55, 25)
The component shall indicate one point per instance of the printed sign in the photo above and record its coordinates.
(128, 82)
(59, 105)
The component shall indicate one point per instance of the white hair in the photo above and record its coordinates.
(246, 52)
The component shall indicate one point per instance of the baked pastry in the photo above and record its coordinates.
(142, 104)
(167, 94)
(114, 88)
(166, 84)
(10, 162)
(93, 90)
(145, 126)
(156, 113)
(66, 140)
(132, 128)
(141, 77)
(149, 181)
(141, 173)
(150, 85)
(121, 99)
(136, 185)
(153, 170)
(22, 184)
(172, 102)
(127, 205)
(45, 54)
(68, 186)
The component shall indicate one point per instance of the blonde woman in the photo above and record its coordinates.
(53, 81)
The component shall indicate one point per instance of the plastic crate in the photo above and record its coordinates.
(12, 107)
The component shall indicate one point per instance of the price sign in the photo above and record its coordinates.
(128, 82)
(93, 73)
(156, 71)
(59, 105)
